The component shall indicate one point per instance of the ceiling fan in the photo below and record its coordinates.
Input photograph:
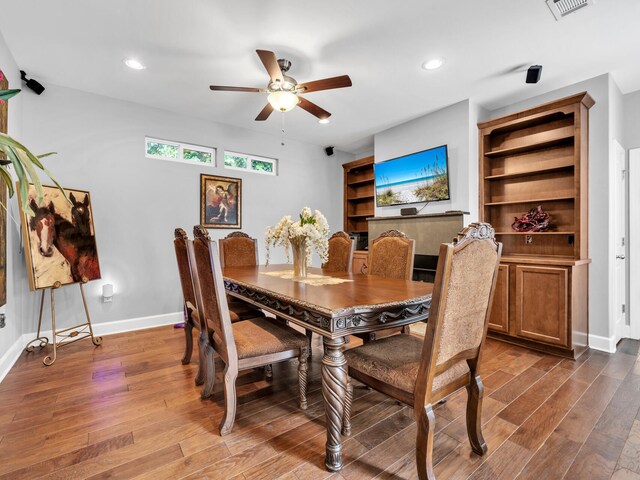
(284, 91)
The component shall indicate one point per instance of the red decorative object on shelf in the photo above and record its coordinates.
(535, 220)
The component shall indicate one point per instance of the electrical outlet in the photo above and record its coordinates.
(528, 239)
(2, 322)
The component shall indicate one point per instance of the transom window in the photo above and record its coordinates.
(179, 152)
(250, 163)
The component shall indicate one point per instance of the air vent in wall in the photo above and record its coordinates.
(562, 8)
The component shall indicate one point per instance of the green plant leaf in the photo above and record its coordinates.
(28, 166)
(23, 183)
(11, 142)
(8, 180)
(7, 94)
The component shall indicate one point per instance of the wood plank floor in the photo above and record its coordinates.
(129, 409)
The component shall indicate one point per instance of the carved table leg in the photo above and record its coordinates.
(334, 384)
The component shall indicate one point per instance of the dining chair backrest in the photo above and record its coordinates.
(238, 250)
(391, 255)
(181, 245)
(211, 297)
(341, 248)
(458, 319)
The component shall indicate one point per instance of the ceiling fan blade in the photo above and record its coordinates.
(313, 109)
(270, 62)
(325, 84)
(264, 114)
(235, 89)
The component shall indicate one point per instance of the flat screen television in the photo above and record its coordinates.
(416, 178)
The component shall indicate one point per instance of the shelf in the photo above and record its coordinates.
(556, 140)
(361, 216)
(361, 182)
(526, 173)
(361, 198)
(535, 233)
(533, 200)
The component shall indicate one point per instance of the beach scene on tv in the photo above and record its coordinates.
(415, 178)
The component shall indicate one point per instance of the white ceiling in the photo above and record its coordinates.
(188, 45)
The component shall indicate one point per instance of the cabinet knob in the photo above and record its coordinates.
(620, 257)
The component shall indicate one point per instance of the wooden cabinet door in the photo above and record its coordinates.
(359, 264)
(499, 319)
(542, 303)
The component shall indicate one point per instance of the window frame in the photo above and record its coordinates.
(249, 157)
(181, 148)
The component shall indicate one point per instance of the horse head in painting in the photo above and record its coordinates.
(43, 224)
(80, 215)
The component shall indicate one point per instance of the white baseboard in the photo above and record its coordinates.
(11, 355)
(100, 329)
(604, 344)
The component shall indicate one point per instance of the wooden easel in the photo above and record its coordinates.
(67, 335)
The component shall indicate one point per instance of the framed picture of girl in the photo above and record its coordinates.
(220, 202)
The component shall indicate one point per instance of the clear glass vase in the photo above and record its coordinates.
(299, 249)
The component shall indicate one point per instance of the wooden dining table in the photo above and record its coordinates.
(333, 305)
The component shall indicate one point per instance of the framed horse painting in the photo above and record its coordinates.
(220, 202)
(59, 241)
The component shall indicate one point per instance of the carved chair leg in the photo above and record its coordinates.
(475, 390)
(302, 377)
(210, 370)
(424, 443)
(268, 371)
(346, 416)
(188, 338)
(202, 368)
(309, 337)
(229, 401)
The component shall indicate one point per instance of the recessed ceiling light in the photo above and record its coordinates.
(133, 63)
(324, 120)
(433, 64)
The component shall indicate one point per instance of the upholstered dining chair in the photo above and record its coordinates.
(182, 245)
(242, 345)
(422, 372)
(341, 248)
(239, 250)
(390, 255)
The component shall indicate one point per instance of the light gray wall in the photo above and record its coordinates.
(449, 126)
(631, 121)
(14, 325)
(138, 201)
(599, 225)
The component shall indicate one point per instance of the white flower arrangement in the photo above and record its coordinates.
(313, 228)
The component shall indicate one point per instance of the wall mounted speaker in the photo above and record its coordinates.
(32, 84)
(534, 73)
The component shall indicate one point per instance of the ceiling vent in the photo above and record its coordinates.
(562, 8)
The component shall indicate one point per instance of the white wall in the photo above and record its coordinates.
(449, 126)
(138, 202)
(631, 121)
(599, 218)
(14, 324)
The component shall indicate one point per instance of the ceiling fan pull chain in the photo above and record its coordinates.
(282, 129)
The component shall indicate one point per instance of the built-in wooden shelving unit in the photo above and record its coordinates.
(358, 194)
(530, 158)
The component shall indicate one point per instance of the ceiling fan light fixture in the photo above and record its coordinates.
(324, 121)
(283, 100)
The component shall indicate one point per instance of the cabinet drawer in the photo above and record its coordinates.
(499, 319)
(541, 304)
(359, 264)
